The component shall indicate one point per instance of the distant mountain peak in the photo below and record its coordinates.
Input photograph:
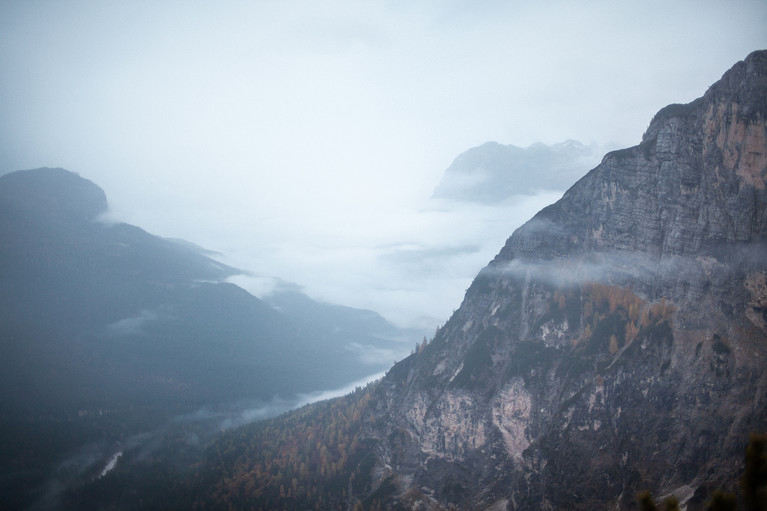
(493, 172)
(617, 343)
(55, 192)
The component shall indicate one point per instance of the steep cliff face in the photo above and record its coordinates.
(618, 342)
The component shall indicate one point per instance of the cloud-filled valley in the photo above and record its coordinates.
(212, 215)
(302, 142)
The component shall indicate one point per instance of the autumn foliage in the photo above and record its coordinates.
(602, 307)
(313, 458)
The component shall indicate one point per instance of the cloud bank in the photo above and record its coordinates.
(302, 139)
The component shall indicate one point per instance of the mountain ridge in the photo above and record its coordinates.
(77, 284)
(493, 172)
(639, 200)
(63, 192)
(616, 343)
(108, 330)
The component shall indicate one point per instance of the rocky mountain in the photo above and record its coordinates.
(617, 343)
(618, 340)
(107, 330)
(493, 172)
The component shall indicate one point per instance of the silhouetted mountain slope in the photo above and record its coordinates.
(131, 310)
(64, 269)
(364, 333)
(109, 330)
(617, 343)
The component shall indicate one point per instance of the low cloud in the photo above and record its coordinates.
(227, 416)
(258, 286)
(687, 276)
(409, 262)
(374, 355)
(133, 325)
(568, 271)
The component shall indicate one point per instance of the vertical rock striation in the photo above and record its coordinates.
(618, 341)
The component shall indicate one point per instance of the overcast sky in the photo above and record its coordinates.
(302, 139)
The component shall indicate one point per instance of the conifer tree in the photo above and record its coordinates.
(722, 501)
(754, 480)
(645, 501)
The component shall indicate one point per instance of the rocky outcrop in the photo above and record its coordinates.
(618, 341)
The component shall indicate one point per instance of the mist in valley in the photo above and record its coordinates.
(330, 166)
(303, 142)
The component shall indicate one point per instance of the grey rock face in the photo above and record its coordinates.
(617, 343)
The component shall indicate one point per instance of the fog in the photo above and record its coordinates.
(224, 416)
(192, 433)
(302, 140)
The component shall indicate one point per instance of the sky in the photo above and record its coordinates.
(303, 139)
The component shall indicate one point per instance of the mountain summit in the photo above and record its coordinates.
(493, 172)
(52, 193)
(617, 343)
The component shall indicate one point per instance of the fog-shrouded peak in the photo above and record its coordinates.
(54, 191)
(492, 172)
